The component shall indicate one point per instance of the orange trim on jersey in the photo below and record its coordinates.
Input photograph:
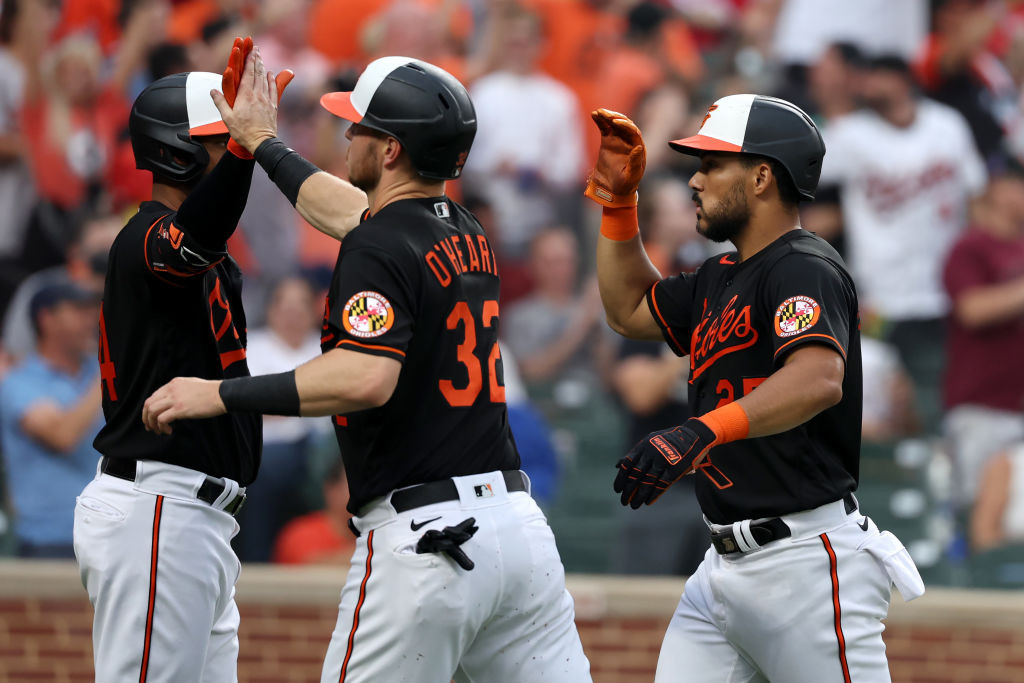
(833, 569)
(229, 357)
(370, 346)
(668, 329)
(842, 351)
(359, 606)
(152, 587)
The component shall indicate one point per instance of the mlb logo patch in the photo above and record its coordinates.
(441, 209)
(483, 490)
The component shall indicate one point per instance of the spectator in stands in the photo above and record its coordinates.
(833, 92)
(49, 414)
(86, 267)
(527, 157)
(998, 515)
(431, 30)
(655, 48)
(904, 201)
(834, 82)
(558, 333)
(25, 26)
(290, 339)
(957, 67)
(81, 159)
(320, 537)
(805, 28)
(984, 383)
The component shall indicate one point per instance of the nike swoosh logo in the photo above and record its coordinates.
(416, 527)
(863, 524)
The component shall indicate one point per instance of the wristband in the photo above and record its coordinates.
(619, 224)
(265, 394)
(284, 166)
(729, 423)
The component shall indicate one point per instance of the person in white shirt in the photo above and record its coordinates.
(528, 152)
(906, 167)
(289, 339)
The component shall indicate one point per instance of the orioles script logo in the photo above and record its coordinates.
(715, 337)
(708, 115)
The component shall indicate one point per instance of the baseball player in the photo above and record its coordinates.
(797, 580)
(455, 572)
(152, 531)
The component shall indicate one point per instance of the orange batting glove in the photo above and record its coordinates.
(232, 78)
(236, 64)
(620, 161)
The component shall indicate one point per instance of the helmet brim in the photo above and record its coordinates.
(340, 104)
(215, 128)
(695, 144)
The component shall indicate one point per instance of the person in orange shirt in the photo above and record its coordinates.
(320, 537)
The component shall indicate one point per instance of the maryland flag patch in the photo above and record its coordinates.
(796, 314)
(368, 314)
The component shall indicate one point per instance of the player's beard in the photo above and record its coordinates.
(728, 219)
(365, 173)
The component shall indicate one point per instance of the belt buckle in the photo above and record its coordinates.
(724, 543)
(234, 506)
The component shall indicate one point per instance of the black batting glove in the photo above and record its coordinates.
(448, 541)
(658, 460)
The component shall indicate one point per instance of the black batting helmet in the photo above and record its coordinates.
(762, 126)
(424, 107)
(164, 119)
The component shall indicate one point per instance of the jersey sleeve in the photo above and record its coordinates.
(371, 306)
(809, 302)
(671, 303)
(172, 255)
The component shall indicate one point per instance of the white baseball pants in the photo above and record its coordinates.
(160, 573)
(804, 609)
(421, 618)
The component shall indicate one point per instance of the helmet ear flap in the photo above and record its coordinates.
(199, 153)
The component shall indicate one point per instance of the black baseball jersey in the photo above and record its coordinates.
(738, 321)
(172, 308)
(417, 282)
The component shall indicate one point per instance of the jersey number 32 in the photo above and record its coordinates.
(462, 317)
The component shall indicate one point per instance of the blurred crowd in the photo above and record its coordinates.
(922, 191)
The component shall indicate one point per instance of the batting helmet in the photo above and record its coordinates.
(425, 108)
(762, 126)
(164, 119)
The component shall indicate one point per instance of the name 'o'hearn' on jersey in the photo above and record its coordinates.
(172, 308)
(418, 282)
(738, 321)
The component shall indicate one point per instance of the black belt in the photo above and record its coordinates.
(764, 532)
(445, 490)
(209, 492)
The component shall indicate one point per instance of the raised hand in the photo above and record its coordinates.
(620, 161)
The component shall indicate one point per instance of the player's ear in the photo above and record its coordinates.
(762, 176)
(392, 151)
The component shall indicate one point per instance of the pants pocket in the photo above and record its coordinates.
(889, 552)
(91, 506)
